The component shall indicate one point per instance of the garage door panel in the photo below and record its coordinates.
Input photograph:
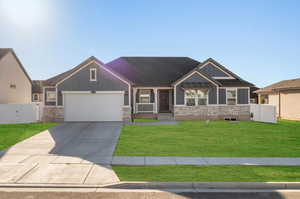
(93, 107)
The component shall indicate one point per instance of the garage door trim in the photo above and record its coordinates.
(87, 92)
(112, 115)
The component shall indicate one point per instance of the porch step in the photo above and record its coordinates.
(165, 117)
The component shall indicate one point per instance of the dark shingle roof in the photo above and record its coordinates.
(234, 83)
(152, 71)
(37, 86)
(282, 85)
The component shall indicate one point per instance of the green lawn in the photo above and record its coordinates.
(209, 173)
(13, 133)
(217, 139)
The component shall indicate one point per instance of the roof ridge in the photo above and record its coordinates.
(155, 57)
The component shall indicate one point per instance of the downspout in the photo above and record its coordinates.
(279, 105)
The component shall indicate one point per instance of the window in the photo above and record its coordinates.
(51, 96)
(231, 96)
(144, 96)
(13, 86)
(35, 97)
(93, 74)
(196, 97)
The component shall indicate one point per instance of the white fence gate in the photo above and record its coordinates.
(19, 113)
(263, 113)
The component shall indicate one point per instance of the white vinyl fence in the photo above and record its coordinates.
(19, 113)
(263, 113)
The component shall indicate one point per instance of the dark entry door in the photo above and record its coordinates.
(164, 101)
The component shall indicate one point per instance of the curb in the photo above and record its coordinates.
(164, 185)
(205, 185)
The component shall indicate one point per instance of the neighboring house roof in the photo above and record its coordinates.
(152, 71)
(37, 86)
(282, 85)
(4, 51)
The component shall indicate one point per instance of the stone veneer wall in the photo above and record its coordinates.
(217, 112)
(56, 114)
(127, 114)
(53, 114)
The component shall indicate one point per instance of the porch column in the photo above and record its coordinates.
(134, 99)
(259, 98)
(155, 100)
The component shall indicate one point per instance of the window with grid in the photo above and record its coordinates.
(196, 97)
(145, 96)
(231, 96)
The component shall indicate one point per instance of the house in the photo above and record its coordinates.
(15, 83)
(285, 95)
(139, 87)
(253, 95)
(37, 91)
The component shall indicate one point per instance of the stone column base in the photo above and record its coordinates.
(53, 114)
(218, 112)
(127, 116)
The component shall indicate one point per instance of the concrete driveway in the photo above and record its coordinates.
(70, 153)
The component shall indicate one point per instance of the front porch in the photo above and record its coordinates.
(153, 103)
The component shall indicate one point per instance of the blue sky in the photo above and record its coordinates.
(258, 40)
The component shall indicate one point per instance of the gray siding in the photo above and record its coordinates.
(196, 78)
(222, 96)
(212, 95)
(212, 71)
(45, 97)
(80, 81)
(243, 95)
(179, 95)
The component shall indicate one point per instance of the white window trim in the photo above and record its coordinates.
(145, 96)
(222, 77)
(236, 100)
(196, 99)
(38, 97)
(51, 100)
(91, 71)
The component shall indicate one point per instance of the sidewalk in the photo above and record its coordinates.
(151, 160)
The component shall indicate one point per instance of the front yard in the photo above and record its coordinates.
(209, 173)
(10, 134)
(216, 139)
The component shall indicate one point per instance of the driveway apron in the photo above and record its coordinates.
(70, 153)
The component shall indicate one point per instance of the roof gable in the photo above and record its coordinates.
(196, 76)
(216, 70)
(63, 76)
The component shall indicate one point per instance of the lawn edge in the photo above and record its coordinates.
(168, 185)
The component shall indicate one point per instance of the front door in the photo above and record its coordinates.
(164, 101)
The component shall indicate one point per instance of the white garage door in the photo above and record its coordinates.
(93, 106)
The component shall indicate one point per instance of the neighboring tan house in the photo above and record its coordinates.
(155, 87)
(15, 84)
(285, 95)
